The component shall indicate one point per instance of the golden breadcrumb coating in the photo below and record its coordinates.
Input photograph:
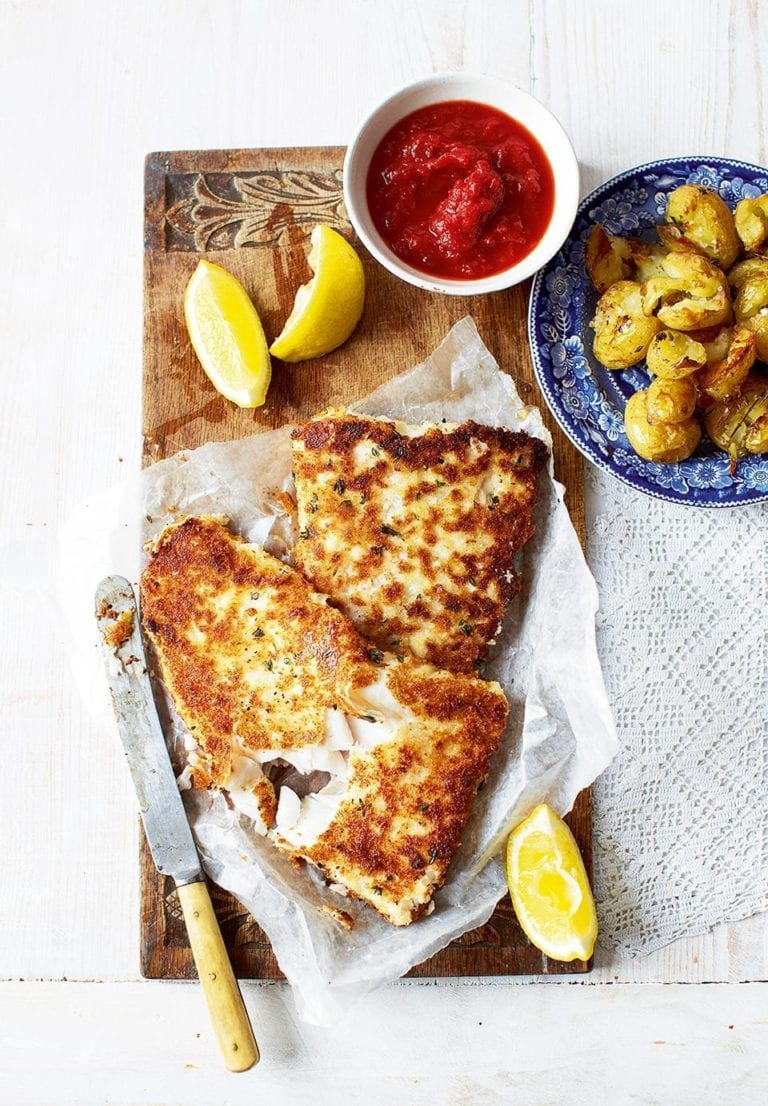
(413, 530)
(265, 673)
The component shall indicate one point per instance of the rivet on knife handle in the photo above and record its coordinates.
(165, 820)
(225, 1003)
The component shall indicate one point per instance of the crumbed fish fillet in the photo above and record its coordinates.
(361, 764)
(412, 530)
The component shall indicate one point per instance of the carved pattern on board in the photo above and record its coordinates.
(223, 211)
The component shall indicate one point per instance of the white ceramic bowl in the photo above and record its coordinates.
(487, 90)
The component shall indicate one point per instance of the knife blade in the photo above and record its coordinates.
(162, 812)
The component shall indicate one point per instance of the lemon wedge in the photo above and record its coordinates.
(549, 887)
(227, 335)
(328, 308)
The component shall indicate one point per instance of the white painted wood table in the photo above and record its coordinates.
(87, 90)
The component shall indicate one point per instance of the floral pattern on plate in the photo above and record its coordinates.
(586, 398)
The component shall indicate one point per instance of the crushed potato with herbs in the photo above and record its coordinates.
(695, 310)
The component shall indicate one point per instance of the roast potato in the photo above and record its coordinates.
(722, 378)
(692, 294)
(671, 400)
(673, 355)
(746, 270)
(672, 304)
(664, 442)
(750, 307)
(752, 296)
(699, 219)
(607, 258)
(759, 325)
(740, 425)
(756, 439)
(751, 219)
(622, 330)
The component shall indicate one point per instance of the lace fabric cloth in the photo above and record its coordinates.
(681, 835)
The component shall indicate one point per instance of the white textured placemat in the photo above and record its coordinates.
(681, 834)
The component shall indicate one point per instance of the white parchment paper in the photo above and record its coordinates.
(560, 734)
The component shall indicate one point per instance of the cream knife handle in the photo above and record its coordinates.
(225, 1003)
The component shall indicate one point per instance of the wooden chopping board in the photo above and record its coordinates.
(251, 211)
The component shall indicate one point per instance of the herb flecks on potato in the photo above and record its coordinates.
(693, 293)
(699, 219)
(622, 329)
(672, 355)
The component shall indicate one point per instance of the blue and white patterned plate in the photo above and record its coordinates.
(588, 399)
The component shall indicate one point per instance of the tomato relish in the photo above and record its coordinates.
(460, 190)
